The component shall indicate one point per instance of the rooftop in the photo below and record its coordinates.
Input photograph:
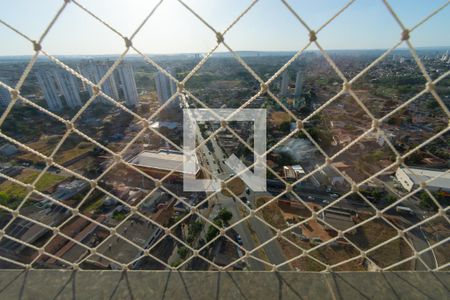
(163, 159)
(418, 175)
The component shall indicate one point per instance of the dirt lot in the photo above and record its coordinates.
(279, 117)
(237, 187)
(327, 254)
(376, 232)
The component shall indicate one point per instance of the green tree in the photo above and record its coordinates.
(4, 198)
(285, 126)
(183, 252)
(426, 201)
(224, 215)
(212, 231)
(195, 228)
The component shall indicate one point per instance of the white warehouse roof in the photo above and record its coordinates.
(418, 175)
(163, 160)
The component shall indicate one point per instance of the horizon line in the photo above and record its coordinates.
(228, 52)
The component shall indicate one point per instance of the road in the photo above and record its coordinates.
(226, 202)
(273, 250)
(416, 235)
(419, 241)
(222, 201)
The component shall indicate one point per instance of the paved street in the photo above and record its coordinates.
(226, 202)
(272, 250)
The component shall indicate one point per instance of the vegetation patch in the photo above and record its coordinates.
(15, 192)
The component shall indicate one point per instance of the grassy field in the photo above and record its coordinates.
(93, 206)
(46, 145)
(47, 181)
(67, 155)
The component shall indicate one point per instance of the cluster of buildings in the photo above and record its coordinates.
(61, 89)
(55, 83)
(284, 87)
(289, 99)
(59, 84)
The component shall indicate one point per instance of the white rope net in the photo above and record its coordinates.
(71, 236)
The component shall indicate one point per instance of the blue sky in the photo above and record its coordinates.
(173, 29)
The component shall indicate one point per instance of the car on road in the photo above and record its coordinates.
(334, 195)
(245, 200)
(247, 191)
(405, 210)
(239, 239)
(310, 198)
(325, 201)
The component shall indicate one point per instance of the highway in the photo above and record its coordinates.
(273, 250)
(222, 201)
(228, 203)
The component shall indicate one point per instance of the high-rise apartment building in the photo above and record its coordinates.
(298, 84)
(49, 87)
(121, 79)
(127, 84)
(165, 88)
(284, 84)
(56, 83)
(69, 87)
(94, 72)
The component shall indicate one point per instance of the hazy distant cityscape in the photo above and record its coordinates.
(87, 216)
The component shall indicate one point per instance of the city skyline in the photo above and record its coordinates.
(363, 25)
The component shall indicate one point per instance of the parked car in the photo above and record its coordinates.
(405, 210)
(238, 239)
